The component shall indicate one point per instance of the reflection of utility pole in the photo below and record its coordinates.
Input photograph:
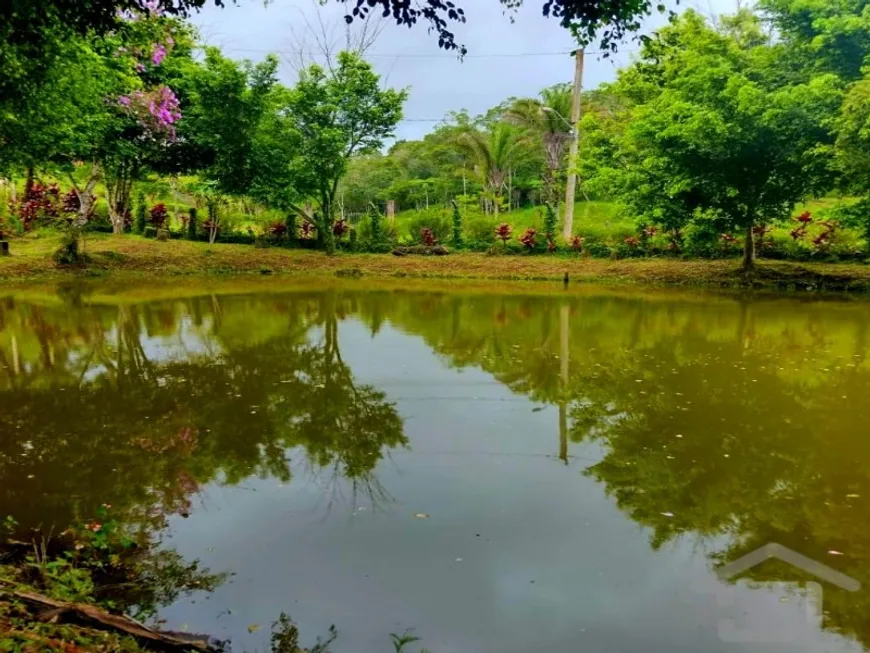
(564, 326)
(571, 186)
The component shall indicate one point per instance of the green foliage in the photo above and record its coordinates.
(68, 253)
(706, 135)
(457, 226)
(336, 115)
(551, 221)
(437, 220)
(141, 220)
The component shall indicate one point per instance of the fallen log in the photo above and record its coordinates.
(52, 610)
(424, 250)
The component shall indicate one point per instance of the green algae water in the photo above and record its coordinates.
(495, 473)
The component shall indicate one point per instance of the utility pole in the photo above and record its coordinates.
(571, 186)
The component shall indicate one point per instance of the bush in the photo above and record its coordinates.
(68, 253)
(100, 221)
(596, 248)
(436, 220)
(158, 215)
(704, 240)
(141, 210)
(480, 232)
(550, 222)
(376, 234)
(191, 225)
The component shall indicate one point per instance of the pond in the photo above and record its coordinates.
(495, 469)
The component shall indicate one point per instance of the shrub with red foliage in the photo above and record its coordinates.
(528, 238)
(340, 228)
(306, 229)
(804, 220)
(728, 239)
(577, 243)
(278, 229)
(71, 202)
(826, 238)
(503, 232)
(427, 237)
(632, 242)
(39, 203)
(158, 215)
(551, 244)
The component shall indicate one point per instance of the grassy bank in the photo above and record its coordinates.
(131, 256)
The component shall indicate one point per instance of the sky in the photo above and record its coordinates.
(506, 58)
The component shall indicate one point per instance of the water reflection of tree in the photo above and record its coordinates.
(718, 419)
(109, 423)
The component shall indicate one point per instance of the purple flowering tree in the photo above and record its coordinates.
(147, 114)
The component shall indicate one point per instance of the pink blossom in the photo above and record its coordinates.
(124, 101)
(158, 54)
(153, 7)
(140, 68)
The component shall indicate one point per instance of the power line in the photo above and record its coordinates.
(384, 55)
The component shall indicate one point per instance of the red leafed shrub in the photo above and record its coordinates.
(306, 229)
(40, 203)
(158, 215)
(528, 238)
(71, 202)
(804, 220)
(632, 242)
(824, 240)
(340, 228)
(278, 229)
(427, 237)
(649, 232)
(503, 232)
(728, 239)
(551, 245)
(577, 243)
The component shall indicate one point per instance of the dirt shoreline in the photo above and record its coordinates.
(130, 257)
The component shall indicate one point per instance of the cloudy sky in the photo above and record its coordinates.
(505, 58)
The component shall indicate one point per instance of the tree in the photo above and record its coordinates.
(495, 151)
(825, 36)
(709, 138)
(546, 119)
(336, 115)
(237, 133)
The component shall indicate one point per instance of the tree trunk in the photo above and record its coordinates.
(119, 189)
(749, 250)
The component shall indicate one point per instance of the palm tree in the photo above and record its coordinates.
(495, 151)
(545, 117)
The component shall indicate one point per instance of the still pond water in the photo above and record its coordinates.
(498, 473)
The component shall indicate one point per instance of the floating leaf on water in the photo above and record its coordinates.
(458, 559)
(253, 628)
(667, 514)
(853, 496)
(835, 553)
(679, 435)
(537, 409)
(422, 515)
